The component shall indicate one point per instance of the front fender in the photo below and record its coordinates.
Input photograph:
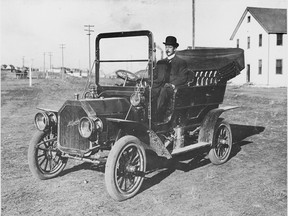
(47, 110)
(207, 126)
(149, 138)
(128, 125)
(122, 126)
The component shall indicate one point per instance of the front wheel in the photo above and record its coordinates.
(44, 159)
(125, 168)
(222, 143)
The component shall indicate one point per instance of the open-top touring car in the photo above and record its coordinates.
(115, 115)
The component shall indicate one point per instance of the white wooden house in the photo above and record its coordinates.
(262, 33)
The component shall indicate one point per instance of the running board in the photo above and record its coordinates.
(189, 148)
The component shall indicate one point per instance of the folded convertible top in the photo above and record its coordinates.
(227, 61)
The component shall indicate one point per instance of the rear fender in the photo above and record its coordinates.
(149, 138)
(208, 124)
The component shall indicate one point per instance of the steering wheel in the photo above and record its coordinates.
(126, 75)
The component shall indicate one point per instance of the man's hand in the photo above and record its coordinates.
(169, 85)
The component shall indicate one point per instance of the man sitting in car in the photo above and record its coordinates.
(168, 74)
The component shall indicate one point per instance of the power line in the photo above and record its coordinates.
(89, 33)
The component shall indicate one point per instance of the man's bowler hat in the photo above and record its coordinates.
(171, 40)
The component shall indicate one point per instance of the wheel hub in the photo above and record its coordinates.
(130, 169)
(49, 153)
(222, 141)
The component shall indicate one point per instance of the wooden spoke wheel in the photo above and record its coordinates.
(44, 158)
(125, 168)
(222, 143)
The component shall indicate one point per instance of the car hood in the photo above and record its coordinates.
(99, 107)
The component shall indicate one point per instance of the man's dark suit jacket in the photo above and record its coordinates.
(161, 73)
(178, 73)
(174, 72)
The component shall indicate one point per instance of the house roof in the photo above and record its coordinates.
(272, 20)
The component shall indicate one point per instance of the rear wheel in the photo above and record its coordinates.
(44, 158)
(125, 168)
(222, 143)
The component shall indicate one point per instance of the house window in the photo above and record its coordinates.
(237, 43)
(278, 66)
(248, 73)
(260, 40)
(279, 39)
(248, 19)
(260, 66)
(248, 42)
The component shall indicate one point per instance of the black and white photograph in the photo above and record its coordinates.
(144, 107)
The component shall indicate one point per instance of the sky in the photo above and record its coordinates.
(30, 28)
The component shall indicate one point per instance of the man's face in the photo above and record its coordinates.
(170, 50)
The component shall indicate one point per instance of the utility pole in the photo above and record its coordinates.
(50, 55)
(161, 50)
(30, 73)
(89, 33)
(23, 61)
(62, 46)
(44, 68)
(193, 24)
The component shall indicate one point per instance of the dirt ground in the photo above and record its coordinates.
(252, 182)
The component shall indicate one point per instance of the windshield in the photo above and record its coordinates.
(123, 60)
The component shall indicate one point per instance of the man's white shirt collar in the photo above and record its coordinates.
(171, 57)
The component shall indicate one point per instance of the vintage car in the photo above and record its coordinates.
(114, 114)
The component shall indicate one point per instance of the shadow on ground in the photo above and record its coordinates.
(194, 159)
(84, 166)
(240, 133)
(185, 162)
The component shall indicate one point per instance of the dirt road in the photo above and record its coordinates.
(252, 182)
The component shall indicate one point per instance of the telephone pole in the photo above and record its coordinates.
(30, 73)
(89, 33)
(193, 24)
(50, 55)
(44, 68)
(23, 61)
(62, 46)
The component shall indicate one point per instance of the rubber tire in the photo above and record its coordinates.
(33, 159)
(212, 153)
(110, 169)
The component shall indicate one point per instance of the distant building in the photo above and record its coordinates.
(59, 70)
(262, 33)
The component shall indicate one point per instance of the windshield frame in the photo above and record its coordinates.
(124, 34)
